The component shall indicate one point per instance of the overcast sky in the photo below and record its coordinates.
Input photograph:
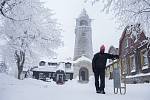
(104, 29)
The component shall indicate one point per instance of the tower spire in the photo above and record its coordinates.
(83, 13)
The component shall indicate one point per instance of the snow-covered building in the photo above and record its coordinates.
(83, 50)
(55, 70)
(134, 53)
(112, 63)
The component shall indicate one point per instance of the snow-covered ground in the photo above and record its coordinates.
(31, 89)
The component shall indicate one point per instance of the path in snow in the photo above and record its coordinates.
(31, 89)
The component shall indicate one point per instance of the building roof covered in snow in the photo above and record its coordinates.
(136, 29)
(45, 69)
(83, 58)
(54, 66)
(133, 34)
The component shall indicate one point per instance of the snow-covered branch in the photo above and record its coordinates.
(29, 37)
(127, 12)
(6, 7)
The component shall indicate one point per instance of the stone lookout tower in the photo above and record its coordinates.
(83, 50)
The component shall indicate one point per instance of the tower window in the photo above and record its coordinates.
(83, 22)
(83, 34)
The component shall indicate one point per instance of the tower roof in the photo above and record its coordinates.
(83, 58)
(84, 13)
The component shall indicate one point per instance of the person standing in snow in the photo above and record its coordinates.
(98, 66)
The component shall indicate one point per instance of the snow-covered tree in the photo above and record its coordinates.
(129, 12)
(7, 5)
(30, 30)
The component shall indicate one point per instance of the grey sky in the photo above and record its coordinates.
(104, 29)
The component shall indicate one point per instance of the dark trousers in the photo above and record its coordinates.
(100, 74)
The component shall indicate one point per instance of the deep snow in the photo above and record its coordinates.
(32, 89)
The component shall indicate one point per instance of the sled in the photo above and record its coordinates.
(117, 81)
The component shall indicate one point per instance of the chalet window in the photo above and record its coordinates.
(126, 43)
(67, 76)
(124, 66)
(132, 63)
(42, 63)
(41, 75)
(144, 59)
(68, 65)
(52, 64)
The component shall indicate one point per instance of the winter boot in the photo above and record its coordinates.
(98, 91)
(102, 92)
